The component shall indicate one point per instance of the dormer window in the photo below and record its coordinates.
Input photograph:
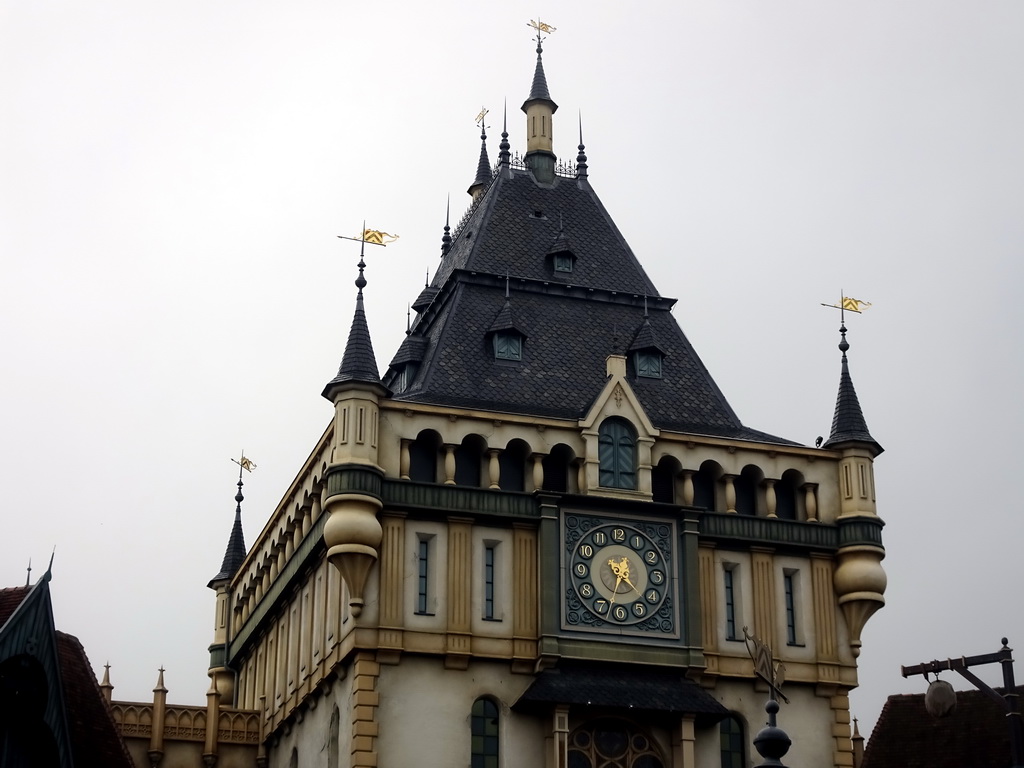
(648, 363)
(508, 345)
(563, 262)
(404, 378)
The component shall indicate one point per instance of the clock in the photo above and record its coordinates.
(619, 575)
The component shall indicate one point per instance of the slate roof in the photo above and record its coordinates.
(848, 424)
(906, 736)
(623, 687)
(539, 88)
(358, 363)
(235, 552)
(571, 321)
(483, 166)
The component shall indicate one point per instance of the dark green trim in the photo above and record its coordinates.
(218, 655)
(640, 651)
(690, 591)
(860, 530)
(349, 478)
(728, 528)
(310, 550)
(410, 496)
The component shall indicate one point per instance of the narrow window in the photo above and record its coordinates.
(489, 581)
(484, 725)
(543, 125)
(789, 582)
(731, 731)
(423, 594)
(617, 454)
(730, 602)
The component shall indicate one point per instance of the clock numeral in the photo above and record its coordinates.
(601, 606)
(657, 577)
(639, 609)
(581, 569)
(618, 534)
(586, 551)
(652, 595)
(620, 613)
(651, 557)
(637, 541)
(586, 590)
(600, 538)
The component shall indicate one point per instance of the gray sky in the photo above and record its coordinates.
(173, 177)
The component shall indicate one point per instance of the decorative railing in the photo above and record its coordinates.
(135, 720)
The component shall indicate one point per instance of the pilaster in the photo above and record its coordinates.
(458, 643)
(364, 705)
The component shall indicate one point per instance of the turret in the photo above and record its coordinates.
(352, 532)
(540, 109)
(483, 166)
(859, 578)
(234, 554)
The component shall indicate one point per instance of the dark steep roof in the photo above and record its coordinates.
(358, 363)
(539, 87)
(976, 734)
(630, 688)
(235, 552)
(848, 424)
(571, 321)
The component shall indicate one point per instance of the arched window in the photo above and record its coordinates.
(484, 727)
(663, 480)
(617, 454)
(556, 469)
(786, 497)
(746, 490)
(423, 457)
(334, 739)
(731, 731)
(512, 466)
(704, 483)
(468, 460)
(612, 743)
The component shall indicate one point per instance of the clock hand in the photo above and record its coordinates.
(633, 586)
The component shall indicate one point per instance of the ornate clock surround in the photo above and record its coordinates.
(619, 575)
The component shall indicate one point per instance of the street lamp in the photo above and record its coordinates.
(1009, 701)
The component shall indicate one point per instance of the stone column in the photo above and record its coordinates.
(493, 469)
(730, 493)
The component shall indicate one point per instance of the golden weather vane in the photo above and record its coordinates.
(244, 463)
(848, 304)
(372, 236)
(764, 666)
(479, 120)
(540, 26)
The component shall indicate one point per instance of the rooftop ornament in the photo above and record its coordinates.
(771, 742)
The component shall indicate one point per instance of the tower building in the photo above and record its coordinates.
(540, 536)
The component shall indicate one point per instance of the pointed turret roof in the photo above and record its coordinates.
(483, 167)
(848, 424)
(234, 554)
(358, 363)
(539, 87)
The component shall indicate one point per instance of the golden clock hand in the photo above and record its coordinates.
(633, 586)
(616, 590)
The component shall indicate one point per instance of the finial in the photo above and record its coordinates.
(581, 158)
(506, 285)
(361, 281)
(160, 680)
(446, 238)
(843, 344)
(408, 319)
(503, 149)
(28, 576)
(645, 305)
(426, 280)
(106, 675)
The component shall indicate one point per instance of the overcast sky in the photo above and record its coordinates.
(173, 177)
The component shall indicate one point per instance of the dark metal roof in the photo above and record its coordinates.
(848, 424)
(504, 320)
(572, 320)
(412, 350)
(483, 166)
(358, 362)
(539, 87)
(235, 552)
(622, 687)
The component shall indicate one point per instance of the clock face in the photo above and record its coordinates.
(620, 575)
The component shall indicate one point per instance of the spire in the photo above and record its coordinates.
(504, 156)
(446, 238)
(358, 362)
(483, 166)
(581, 158)
(235, 552)
(540, 110)
(848, 424)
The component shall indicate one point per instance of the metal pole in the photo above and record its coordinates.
(1013, 708)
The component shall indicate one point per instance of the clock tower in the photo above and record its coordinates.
(538, 535)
